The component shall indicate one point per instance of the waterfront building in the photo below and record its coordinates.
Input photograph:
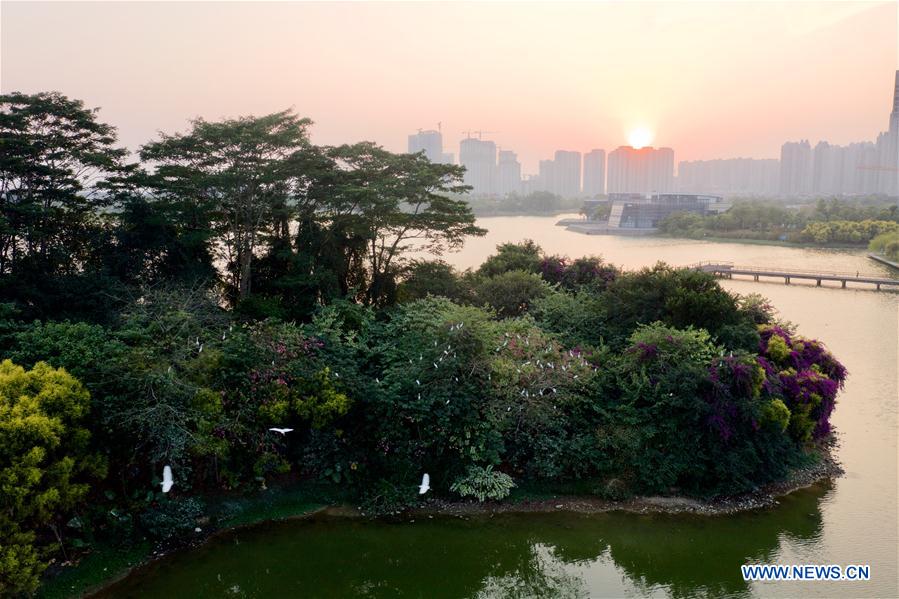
(646, 211)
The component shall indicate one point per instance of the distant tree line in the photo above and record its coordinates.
(832, 221)
(536, 202)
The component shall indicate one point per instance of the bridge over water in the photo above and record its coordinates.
(727, 270)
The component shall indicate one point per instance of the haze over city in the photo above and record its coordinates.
(710, 80)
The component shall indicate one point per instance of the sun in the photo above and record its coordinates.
(639, 137)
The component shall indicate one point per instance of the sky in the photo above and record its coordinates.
(710, 79)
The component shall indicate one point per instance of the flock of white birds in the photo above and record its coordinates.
(425, 486)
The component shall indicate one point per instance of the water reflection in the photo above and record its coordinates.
(526, 555)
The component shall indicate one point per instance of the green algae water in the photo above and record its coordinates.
(852, 520)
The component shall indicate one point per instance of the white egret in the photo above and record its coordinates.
(281, 431)
(425, 484)
(167, 480)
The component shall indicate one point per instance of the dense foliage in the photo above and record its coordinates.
(245, 280)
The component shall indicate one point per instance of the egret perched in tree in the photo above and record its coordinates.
(167, 480)
(281, 431)
(425, 484)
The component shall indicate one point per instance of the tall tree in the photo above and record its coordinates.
(395, 203)
(242, 170)
(55, 158)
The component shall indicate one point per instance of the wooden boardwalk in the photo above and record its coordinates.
(728, 269)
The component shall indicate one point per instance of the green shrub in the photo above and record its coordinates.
(777, 413)
(525, 256)
(45, 466)
(511, 293)
(483, 483)
(172, 518)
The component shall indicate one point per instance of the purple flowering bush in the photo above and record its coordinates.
(805, 376)
(573, 274)
(692, 417)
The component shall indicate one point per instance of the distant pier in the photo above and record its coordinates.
(727, 270)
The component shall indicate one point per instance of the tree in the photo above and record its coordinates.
(243, 171)
(55, 159)
(511, 293)
(44, 465)
(392, 203)
(524, 256)
(433, 277)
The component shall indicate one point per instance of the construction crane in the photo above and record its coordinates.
(479, 133)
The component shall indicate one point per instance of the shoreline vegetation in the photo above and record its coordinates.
(241, 307)
(871, 223)
(829, 223)
(82, 580)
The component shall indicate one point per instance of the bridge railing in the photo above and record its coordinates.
(754, 269)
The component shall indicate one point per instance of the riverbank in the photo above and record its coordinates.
(108, 565)
(825, 469)
(883, 260)
(586, 227)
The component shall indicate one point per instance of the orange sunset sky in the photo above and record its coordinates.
(710, 79)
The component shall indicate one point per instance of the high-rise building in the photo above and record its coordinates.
(546, 176)
(508, 173)
(731, 176)
(594, 173)
(894, 115)
(796, 168)
(431, 143)
(479, 159)
(643, 170)
(567, 174)
(858, 168)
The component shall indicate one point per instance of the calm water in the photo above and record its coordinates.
(851, 521)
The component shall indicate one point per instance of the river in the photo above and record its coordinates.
(852, 520)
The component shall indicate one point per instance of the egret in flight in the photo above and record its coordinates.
(167, 480)
(281, 431)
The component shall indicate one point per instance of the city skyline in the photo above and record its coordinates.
(870, 167)
(771, 72)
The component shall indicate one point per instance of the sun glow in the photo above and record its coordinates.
(639, 137)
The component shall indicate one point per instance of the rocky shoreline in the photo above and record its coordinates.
(827, 468)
